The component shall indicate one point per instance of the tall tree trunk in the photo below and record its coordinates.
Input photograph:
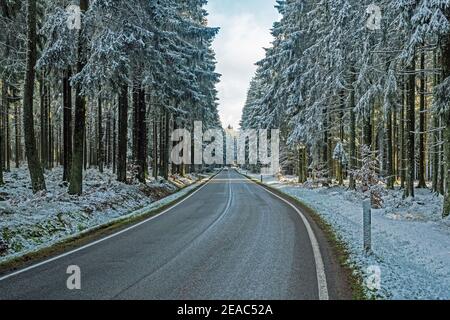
(403, 135)
(390, 155)
(108, 157)
(395, 145)
(114, 141)
(305, 164)
(373, 131)
(175, 168)
(67, 124)
(18, 149)
(76, 170)
(422, 125)
(135, 118)
(352, 182)
(2, 138)
(300, 172)
(91, 146)
(161, 142)
(141, 135)
(7, 134)
(326, 146)
(410, 130)
(100, 146)
(166, 144)
(367, 130)
(155, 147)
(3, 126)
(34, 166)
(340, 169)
(442, 173)
(436, 125)
(59, 146)
(446, 171)
(446, 75)
(2, 132)
(122, 134)
(44, 142)
(436, 153)
(330, 154)
(352, 163)
(147, 133)
(85, 145)
(51, 142)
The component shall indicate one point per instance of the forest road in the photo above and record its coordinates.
(232, 239)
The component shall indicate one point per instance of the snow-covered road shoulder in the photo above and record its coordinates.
(410, 240)
(30, 222)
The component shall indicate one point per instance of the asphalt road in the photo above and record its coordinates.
(230, 240)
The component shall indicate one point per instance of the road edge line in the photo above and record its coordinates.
(320, 268)
(172, 205)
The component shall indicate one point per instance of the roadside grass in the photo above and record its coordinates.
(354, 275)
(92, 234)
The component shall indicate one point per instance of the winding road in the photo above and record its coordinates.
(231, 239)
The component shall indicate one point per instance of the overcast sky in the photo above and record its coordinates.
(245, 30)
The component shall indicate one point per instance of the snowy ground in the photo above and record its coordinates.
(29, 222)
(411, 242)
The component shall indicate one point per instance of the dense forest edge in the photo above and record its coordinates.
(360, 94)
(102, 84)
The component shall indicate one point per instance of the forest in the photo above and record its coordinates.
(102, 84)
(356, 104)
(101, 102)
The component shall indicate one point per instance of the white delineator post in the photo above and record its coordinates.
(367, 225)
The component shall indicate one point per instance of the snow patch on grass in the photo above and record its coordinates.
(410, 240)
(30, 221)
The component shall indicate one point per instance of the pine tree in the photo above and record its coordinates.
(3, 98)
(141, 135)
(67, 124)
(76, 168)
(446, 115)
(422, 124)
(100, 146)
(36, 172)
(122, 134)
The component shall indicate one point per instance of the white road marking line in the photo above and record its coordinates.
(320, 269)
(227, 207)
(34, 266)
(180, 251)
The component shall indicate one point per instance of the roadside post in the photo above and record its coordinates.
(367, 226)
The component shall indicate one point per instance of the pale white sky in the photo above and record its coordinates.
(245, 30)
